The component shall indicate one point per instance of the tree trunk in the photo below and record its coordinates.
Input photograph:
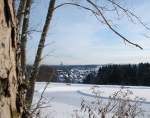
(24, 35)
(20, 13)
(37, 61)
(11, 105)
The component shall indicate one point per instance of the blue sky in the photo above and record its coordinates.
(76, 37)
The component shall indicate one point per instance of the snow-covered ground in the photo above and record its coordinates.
(65, 99)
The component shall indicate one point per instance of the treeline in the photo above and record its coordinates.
(46, 73)
(138, 75)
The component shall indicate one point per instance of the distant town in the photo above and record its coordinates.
(75, 74)
(65, 73)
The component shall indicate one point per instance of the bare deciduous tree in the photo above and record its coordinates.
(37, 61)
(24, 34)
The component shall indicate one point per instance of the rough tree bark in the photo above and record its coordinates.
(11, 97)
(37, 61)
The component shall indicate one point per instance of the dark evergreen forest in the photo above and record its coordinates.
(137, 75)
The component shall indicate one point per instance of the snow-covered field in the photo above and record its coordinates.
(65, 99)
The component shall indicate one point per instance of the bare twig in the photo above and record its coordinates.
(118, 105)
(128, 13)
(110, 27)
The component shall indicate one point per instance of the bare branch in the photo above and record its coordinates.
(98, 12)
(75, 4)
(39, 105)
(109, 25)
(128, 13)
